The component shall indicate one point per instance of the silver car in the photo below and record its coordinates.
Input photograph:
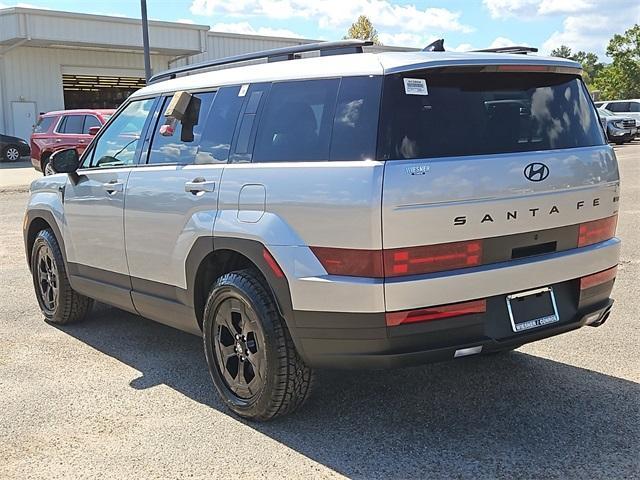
(348, 210)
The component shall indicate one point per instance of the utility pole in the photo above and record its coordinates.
(145, 40)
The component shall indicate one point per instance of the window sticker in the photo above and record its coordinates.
(415, 86)
(243, 90)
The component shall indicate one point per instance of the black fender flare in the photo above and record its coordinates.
(40, 214)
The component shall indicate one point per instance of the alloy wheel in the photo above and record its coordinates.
(48, 169)
(239, 348)
(47, 276)
(12, 154)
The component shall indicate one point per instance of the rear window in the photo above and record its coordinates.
(43, 125)
(438, 114)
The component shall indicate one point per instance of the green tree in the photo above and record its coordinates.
(621, 78)
(362, 29)
(589, 61)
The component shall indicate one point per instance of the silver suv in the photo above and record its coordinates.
(347, 210)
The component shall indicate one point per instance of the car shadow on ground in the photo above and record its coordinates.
(502, 416)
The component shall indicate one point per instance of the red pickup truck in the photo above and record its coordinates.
(64, 129)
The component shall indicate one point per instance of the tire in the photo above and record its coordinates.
(10, 153)
(47, 168)
(59, 303)
(251, 357)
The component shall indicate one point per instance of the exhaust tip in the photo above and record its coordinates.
(464, 352)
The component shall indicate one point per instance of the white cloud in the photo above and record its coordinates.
(587, 24)
(500, 42)
(339, 13)
(246, 29)
(406, 39)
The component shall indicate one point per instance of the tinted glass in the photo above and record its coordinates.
(618, 107)
(90, 121)
(485, 113)
(180, 145)
(43, 125)
(355, 123)
(297, 121)
(117, 145)
(219, 127)
(634, 107)
(72, 124)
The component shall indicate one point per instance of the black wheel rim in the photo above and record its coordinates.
(47, 279)
(239, 348)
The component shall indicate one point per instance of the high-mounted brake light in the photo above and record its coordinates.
(432, 258)
(523, 68)
(598, 278)
(597, 231)
(435, 313)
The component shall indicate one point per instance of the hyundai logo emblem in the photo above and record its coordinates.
(536, 172)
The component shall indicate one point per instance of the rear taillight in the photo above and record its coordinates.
(597, 231)
(598, 278)
(350, 261)
(432, 258)
(435, 313)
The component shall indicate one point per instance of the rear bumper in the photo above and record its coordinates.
(363, 341)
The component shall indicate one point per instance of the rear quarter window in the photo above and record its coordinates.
(476, 113)
(44, 124)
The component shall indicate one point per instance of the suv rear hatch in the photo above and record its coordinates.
(489, 163)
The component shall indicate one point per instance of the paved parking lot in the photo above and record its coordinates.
(122, 397)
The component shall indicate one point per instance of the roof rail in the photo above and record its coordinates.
(274, 55)
(512, 49)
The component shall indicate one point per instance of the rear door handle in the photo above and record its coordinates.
(113, 187)
(199, 185)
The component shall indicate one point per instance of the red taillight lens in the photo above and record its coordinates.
(435, 313)
(597, 231)
(350, 262)
(432, 258)
(598, 278)
(273, 265)
(523, 68)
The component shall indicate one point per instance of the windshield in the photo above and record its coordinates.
(436, 114)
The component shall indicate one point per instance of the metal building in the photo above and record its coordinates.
(51, 60)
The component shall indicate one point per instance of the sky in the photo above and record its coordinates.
(465, 25)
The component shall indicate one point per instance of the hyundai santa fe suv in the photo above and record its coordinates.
(325, 212)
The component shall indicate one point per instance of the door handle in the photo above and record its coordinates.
(113, 187)
(58, 140)
(199, 185)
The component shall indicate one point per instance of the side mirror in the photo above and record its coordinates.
(94, 131)
(65, 161)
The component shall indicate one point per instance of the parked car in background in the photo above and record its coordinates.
(62, 130)
(626, 108)
(12, 148)
(619, 129)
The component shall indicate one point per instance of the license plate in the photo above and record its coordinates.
(532, 309)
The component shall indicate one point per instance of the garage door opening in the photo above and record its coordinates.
(87, 91)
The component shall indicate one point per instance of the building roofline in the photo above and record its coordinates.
(255, 36)
(91, 16)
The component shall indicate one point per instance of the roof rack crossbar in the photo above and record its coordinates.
(511, 49)
(276, 54)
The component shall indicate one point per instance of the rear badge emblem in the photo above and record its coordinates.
(417, 170)
(536, 172)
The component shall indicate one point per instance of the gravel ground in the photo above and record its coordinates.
(122, 397)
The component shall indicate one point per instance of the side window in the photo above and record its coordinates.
(90, 121)
(180, 144)
(297, 121)
(215, 144)
(71, 124)
(635, 107)
(117, 145)
(355, 126)
(44, 124)
(618, 107)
